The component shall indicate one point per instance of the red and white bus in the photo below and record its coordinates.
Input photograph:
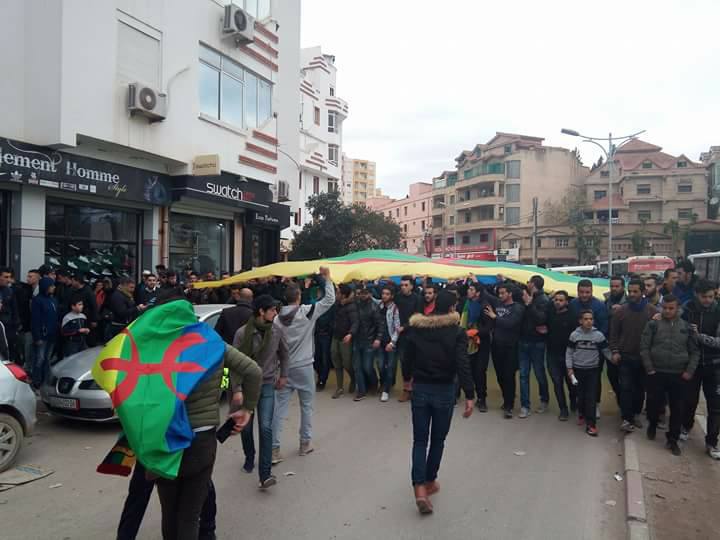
(643, 264)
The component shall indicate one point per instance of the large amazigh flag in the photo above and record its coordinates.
(148, 370)
(374, 264)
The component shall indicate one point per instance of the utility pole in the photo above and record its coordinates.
(535, 230)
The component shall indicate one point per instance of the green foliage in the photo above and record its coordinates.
(337, 230)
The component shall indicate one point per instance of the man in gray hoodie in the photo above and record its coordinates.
(297, 324)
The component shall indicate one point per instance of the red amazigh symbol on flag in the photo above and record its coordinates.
(134, 369)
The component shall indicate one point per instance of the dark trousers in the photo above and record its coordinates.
(674, 387)
(587, 392)
(323, 358)
(182, 499)
(707, 377)
(632, 386)
(137, 500)
(560, 379)
(432, 410)
(248, 441)
(505, 360)
(613, 375)
(479, 364)
(71, 347)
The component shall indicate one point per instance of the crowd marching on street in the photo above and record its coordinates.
(657, 340)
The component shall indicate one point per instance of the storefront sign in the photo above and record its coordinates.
(226, 188)
(266, 219)
(206, 165)
(23, 163)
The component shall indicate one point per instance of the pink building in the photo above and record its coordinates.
(413, 214)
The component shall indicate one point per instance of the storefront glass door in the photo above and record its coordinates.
(198, 243)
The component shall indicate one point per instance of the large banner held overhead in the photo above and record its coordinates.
(376, 264)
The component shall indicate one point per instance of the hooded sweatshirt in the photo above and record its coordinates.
(44, 313)
(297, 323)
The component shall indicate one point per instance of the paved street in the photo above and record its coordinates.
(356, 484)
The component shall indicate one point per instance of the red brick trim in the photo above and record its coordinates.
(309, 94)
(321, 66)
(257, 164)
(266, 47)
(259, 57)
(315, 164)
(260, 150)
(264, 137)
(260, 29)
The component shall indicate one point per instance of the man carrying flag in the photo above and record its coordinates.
(163, 373)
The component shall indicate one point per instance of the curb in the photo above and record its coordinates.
(637, 528)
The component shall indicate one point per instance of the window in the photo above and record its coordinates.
(465, 239)
(452, 199)
(684, 188)
(494, 168)
(512, 169)
(230, 93)
(512, 216)
(297, 217)
(437, 242)
(682, 164)
(405, 228)
(512, 244)
(422, 207)
(316, 185)
(332, 122)
(363, 165)
(452, 220)
(605, 174)
(405, 211)
(333, 153)
(138, 54)
(422, 224)
(599, 194)
(450, 241)
(508, 148)
(484, 238)
(644, 215)
(317, 116)
(647, 165)
(397, 212)
(685, 213)
(467, 217)
(260, 9)
(332, 90)
(643, 189)
(538, 242)
(562, 242)
(512, 193)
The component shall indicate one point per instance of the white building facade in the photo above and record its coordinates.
(321, 127)
(138, 133)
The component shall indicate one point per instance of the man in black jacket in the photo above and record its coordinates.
(9, 315)
(234, 318)
(436, 355)
(508, 319)
(366, 342)
(345, 328)
(703, 313)
(408, 303)
(123, 308)
(532, 345)
(561, 323)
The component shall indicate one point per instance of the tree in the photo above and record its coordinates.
(679, 233)
(570, 211)
(639, 239)
(337, 229)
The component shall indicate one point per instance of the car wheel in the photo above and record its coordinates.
(11, 438)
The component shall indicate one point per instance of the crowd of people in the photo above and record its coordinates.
(657, 340)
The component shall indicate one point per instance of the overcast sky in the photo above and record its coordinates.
(427, 79)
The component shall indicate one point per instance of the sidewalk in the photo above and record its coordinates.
(680, 493)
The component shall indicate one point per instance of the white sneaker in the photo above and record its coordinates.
(524, 412)
(384, 397)
(597, 412)
(542, 408)
(684, 435)
(713, 452)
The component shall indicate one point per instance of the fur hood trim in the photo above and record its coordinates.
(435, 321)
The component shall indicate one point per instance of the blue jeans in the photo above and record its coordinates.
(532, 353)
(432, 410)
(41, 363)
(387, 366)
(364, 366)
(301, 379)
(265, 412)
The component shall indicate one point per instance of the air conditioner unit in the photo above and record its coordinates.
(283, 194)
(501, 210)
(238, 25)
(147, 101)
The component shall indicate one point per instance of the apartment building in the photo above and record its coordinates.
(321, 128)
(139, 133)
(361, 174)
(492, 188)
(648, 186)
(412, 213)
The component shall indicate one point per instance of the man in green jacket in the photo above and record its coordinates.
(670, 356)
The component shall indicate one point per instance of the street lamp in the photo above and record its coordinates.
(610, 157)
(444, 205)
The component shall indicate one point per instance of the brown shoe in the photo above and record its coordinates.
(405, 396)
(422, 502)
(432, 487)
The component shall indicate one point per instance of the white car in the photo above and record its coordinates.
(71, 392)
(17, 411)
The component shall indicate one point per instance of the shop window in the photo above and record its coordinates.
(199, 243)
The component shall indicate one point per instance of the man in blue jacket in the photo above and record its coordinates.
(44, 328)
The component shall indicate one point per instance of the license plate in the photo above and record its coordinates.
(64, 403)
